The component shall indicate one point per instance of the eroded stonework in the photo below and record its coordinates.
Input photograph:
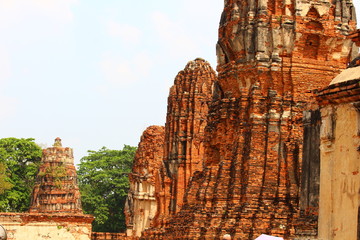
(188, 106)
(56, 189)
(141, 204)
(270, 55)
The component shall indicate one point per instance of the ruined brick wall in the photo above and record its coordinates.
(56, 189)
(141, 204)
(25, 226)
(270, 55)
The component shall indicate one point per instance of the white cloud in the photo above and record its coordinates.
(19, 12)
(174, 35)
(57, 9)
(119, 72)
(126, 32)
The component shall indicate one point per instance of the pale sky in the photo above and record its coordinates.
(97, 73)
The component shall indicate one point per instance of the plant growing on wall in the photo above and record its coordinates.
(56, 173)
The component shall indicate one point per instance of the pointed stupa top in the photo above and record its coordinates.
(57, 142)
(198, 64)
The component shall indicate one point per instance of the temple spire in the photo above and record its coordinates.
(56, 189)
(57, 142)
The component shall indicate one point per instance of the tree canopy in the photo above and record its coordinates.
(19, 164)
(4, 181)
(104, 185)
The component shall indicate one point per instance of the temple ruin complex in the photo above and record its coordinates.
(267, 145)
(263, 141)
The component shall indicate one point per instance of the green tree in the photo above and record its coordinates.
(104, 185)
(21, 159)
(4, 182)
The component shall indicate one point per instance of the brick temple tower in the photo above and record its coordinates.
(271, 53)
(141, 204)
(188, 106)
(56, 189)
(186, 119)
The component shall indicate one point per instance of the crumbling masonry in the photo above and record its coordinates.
(141, 204)
(271, 55)
(56, 189)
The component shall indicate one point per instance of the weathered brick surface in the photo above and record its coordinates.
(355, 37)
(270, 55)
(141, 204)
(188, 105)
(184, 135)
(56, 189)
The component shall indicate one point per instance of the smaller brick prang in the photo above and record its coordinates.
(56, 189)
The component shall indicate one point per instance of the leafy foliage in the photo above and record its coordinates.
(56, 173)
(21, 159)
(104, 184)
(4, 184)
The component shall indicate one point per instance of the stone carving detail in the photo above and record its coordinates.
(56, 189)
